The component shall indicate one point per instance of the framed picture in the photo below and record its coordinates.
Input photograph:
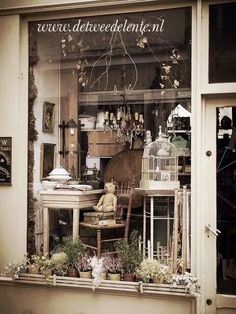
(47, 159)
(48, 117)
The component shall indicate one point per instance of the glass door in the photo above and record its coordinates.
(220, 144)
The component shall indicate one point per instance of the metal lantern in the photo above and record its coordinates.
(160, 165)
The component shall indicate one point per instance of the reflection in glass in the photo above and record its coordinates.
(222, 43)
(226, 200)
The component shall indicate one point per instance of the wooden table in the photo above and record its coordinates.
(66, 199)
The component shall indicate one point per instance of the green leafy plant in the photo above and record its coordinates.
(73, 249)
(46, 265)
(129, 253)
(60, 263)
(33, 263)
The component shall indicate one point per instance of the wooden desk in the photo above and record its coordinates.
(66, 199)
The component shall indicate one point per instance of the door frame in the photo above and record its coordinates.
(210, 207)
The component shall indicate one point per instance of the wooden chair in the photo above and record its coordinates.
(124, 192)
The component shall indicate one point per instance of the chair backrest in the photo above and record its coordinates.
(124, 193)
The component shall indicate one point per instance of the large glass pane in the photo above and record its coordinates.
(222, 43)
(226, 200)
(105, 85)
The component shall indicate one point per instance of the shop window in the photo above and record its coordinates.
(222, 45)
(108, 85)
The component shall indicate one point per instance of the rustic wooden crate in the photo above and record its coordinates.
(103, 144)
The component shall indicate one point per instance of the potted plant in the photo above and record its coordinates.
(33, 263)
(83, 265)
(152, 271)
(113, 265)
(130, 255)
(188, 280)
(98, 271)
(46, 266)
(73, 249)
(60, 263)
(14, 269)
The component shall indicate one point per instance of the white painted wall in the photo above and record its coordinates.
(20, 299)
(226, 311)
(14, 123)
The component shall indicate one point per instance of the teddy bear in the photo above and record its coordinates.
(108, 201)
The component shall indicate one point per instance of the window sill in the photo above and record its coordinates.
(133, 288)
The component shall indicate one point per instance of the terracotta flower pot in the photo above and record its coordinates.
(128, 276)
(85, 274)
(72, 272)
(115, 277)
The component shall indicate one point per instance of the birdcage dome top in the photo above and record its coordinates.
(161, 147)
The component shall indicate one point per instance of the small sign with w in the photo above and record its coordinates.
(5, 160)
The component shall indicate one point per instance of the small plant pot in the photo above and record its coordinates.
(48, 272)
(24, 270)
(33, 269)
(72, 272)
(85, 274)
(103, 276)
(158, 279)
(114, 277)
(128, 277)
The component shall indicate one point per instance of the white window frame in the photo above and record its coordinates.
(91, 9)
(206, 87)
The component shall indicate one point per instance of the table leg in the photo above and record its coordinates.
(99, 239)
(75, 231)
(175, 234)
(152, 224)
(144, 226)
(45, 230)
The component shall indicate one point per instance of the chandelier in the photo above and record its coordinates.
(127, 125)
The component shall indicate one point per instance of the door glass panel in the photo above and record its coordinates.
(222, 44)
(226, 200)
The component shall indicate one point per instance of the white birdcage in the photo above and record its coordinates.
(160, 165)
